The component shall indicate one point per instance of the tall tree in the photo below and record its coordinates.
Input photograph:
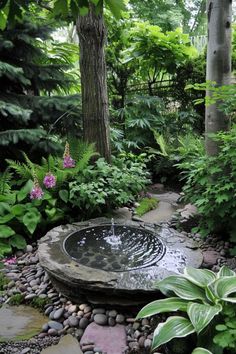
(92, 10)
(92, 39)
(218, 65)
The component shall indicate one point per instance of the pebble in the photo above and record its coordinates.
(100, 319)
(120, 318)
(55, 325)
(73, 321)
(83, 323)
(58, 313)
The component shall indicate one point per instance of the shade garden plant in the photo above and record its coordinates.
(63, 189)
(205, 306)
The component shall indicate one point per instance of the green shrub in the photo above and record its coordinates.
(211, 184)
(204, 298)
(80, 192)
(145, 205)
(102, 187)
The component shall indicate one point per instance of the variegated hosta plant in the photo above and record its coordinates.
(201, 294)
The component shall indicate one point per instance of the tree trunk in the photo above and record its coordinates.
(218, 65)
(92, 38)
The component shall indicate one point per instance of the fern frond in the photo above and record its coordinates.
(5, 180)
(21, 169)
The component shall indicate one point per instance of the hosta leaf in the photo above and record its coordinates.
(6, 231)
(201, 315)
(201, 351)
(174, 327)
(223, 287)
(225, 271)
(181, 287)
(200, 277)
(163, 305)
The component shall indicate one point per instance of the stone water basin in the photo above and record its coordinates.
(91, 261)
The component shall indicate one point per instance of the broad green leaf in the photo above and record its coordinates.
(5, 248)
(6, 231)
(201, 315)
(174, 327)
(163, 305)
(64, 195)
(18, 209)
(225, 271)
(4, 208)
(200, 277)
(201, 351)
(181, 287)
(60, 7)
(23, 193)
(18, 242)
(31, 220)
(51, 212)
(224, 287)
(116, 7)
(6, 218)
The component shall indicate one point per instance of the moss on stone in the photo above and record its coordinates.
(39, 303)
(3, 281)
(145, 205)
(16, 299)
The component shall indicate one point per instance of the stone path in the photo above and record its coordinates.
(68, 344)
(19, 322)
(110, 340)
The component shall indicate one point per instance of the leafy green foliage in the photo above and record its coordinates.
(210, 185)
(80, 192)
(205, 297)
(102, 186)
(145, 205)
(226, 331)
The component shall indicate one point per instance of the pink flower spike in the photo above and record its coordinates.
(49, 180)
(36, 193)
(68, 162)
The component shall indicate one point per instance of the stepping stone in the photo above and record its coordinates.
(163, 212)
(67, 344)
(19, 322)
(110, 340)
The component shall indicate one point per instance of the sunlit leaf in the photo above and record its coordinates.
(201, 315)
(163, 305)
(174, 327)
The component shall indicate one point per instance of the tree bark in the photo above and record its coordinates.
(218, 65)
(92, 38)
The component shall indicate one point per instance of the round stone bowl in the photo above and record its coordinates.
(118, 264)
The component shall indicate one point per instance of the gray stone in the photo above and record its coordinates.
(98, 310)
(58, 313)
(24, 351)
(55, 325)
(73, 321)
(19, 322)
(120, 318)
(78, 279)
(100, 319)
(83, 323)
(67, 344)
